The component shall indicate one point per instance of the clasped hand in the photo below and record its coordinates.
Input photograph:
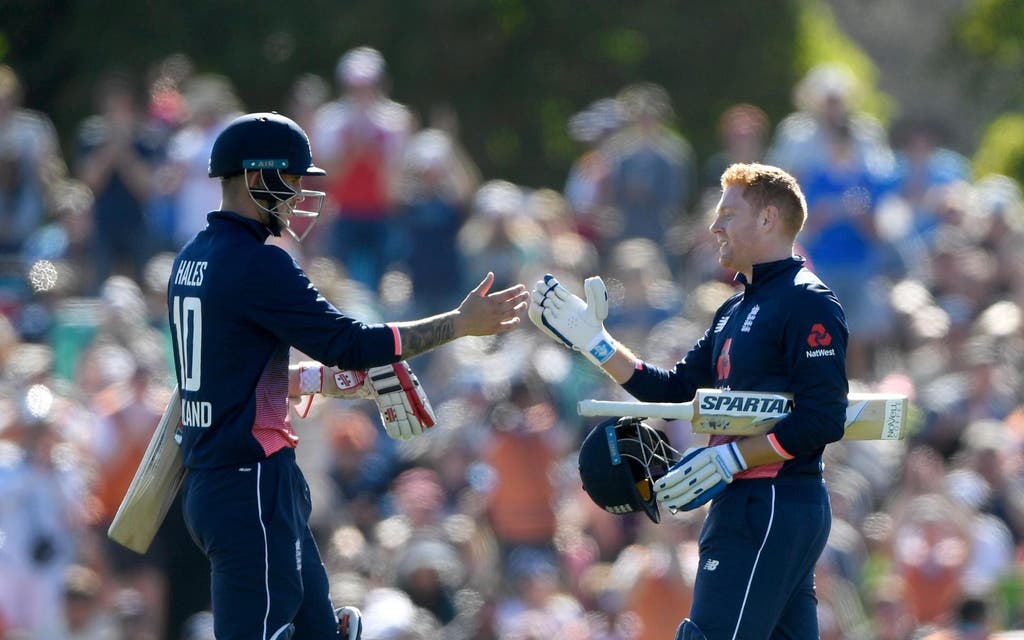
(699, 477)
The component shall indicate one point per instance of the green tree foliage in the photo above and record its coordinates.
(1002, 148)
(820, 39)
(513, 70)
(990, 34)
(991, 30)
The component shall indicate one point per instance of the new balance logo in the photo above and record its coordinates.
(710, 564)
(721, 324)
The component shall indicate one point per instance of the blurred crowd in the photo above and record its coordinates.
(481, 529)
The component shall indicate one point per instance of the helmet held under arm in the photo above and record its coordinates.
(619, 462)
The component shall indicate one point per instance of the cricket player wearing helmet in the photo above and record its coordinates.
(784, 332)
(237, 306)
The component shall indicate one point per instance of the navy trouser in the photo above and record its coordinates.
(252, 522)
(758, 548)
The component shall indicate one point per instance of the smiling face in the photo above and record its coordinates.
(739, 231)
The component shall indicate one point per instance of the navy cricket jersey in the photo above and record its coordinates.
(236, 306)
(785, 332)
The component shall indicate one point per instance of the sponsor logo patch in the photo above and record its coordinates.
(710, 564)
(749, 322)
(893, 419)
(602, 351)
(820, 353)
(745, 405)
(619, 509)
(819, 337)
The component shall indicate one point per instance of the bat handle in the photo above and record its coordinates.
(594, 408)
(664, 410)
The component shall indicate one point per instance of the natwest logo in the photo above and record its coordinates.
(818, 336)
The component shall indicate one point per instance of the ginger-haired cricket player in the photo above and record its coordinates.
(785, 332)
(237, 305)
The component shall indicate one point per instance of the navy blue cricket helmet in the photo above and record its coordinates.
(272, 145)
(620, 460)
(262, 141)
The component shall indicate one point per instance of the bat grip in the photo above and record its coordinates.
(663, 410)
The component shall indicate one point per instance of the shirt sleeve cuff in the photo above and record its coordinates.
(398, 339)
(774, 442)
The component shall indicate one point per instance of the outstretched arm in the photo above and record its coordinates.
(480, 314)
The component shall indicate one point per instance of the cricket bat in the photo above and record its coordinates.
(154, 486)
(869, 416)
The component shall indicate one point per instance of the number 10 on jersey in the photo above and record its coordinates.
(188, 332)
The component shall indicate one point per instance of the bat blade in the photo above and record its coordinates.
(154, 487)
(876, 416)
(869, 416)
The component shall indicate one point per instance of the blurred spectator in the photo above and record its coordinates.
(211, 103)
(931, 546)
(640, 282)
(658, 582)
(30, 165)
(359, 139)
(64, 242)
(890, 615)
(523, 452)
(653, 175)
(127, 410)
(307, 94)
(841, 239)
(999, 210)
(361, 463)
(991, 543)
(498, 236)
(827, 101)
(167, 105)
(118, 151)
(42, 501)
(436, 183)
(587, 189)
(743, 131)
(922, 165)
(844, 164)
(993, 461)
(84, 614)
(535, 605)
(429, 571)
(134, 618)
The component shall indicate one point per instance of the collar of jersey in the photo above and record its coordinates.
(255, 227)
(764, 272)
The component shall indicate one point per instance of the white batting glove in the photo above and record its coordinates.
(700, 476)
(404, 407)
(566, 318)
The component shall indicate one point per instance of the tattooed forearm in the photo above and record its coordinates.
(421, 336)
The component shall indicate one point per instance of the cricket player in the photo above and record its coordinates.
(785, 331)
(237, 305)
